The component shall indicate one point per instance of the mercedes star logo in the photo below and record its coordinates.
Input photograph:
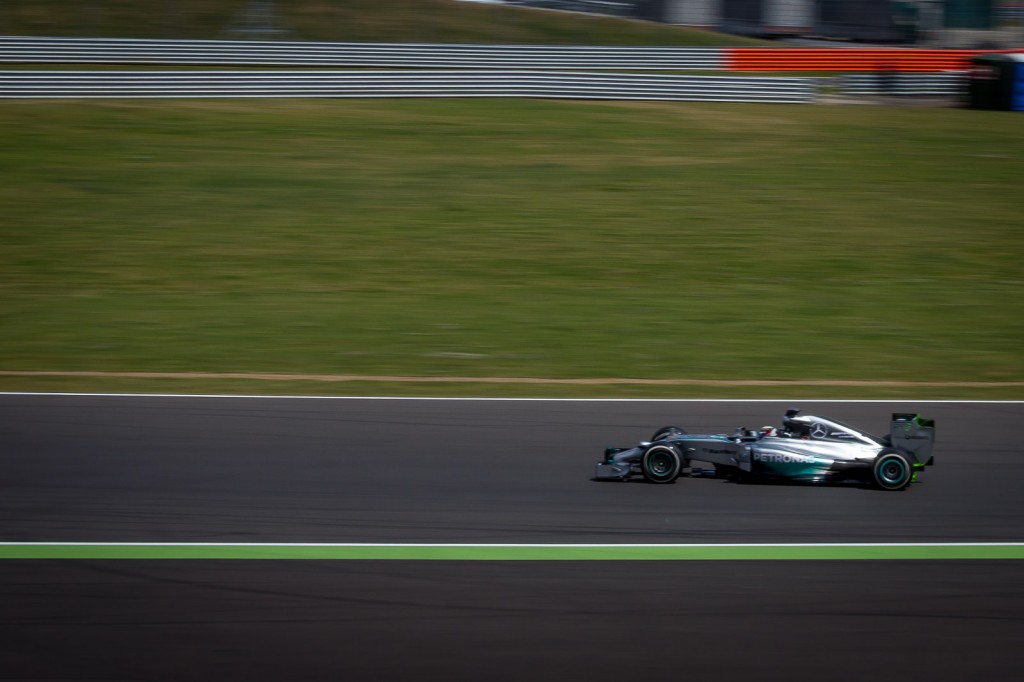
(818, 430)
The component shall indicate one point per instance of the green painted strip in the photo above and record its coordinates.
(515, 552)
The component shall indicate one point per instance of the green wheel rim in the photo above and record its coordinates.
(660, 464)
(892, 471)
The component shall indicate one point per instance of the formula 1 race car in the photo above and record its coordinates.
(806, 448)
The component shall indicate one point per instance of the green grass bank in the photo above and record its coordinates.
(480, 238)
(342, 20)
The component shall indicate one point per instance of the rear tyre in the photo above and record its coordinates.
(661, 464)
(667, 432)
(892, 470)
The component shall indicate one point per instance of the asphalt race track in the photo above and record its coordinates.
(234, 470)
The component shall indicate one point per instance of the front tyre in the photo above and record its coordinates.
(661, 464)
(892, 470)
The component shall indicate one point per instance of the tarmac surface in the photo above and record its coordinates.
(165, 469)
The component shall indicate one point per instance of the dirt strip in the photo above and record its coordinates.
(509, 380)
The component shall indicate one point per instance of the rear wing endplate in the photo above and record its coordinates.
(915, 434)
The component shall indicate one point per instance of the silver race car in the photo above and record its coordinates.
(806, 448)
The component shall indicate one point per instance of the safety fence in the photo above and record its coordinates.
(848, 59)
(385, 55)
(945, 85)
(439, 56)
(419, 83)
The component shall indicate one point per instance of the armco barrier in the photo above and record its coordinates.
(847, 59)
(390, 55)
(444, 55)
(947, 85)
(419, 83)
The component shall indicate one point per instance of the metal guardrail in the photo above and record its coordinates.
(477, 71)
(854, 60)
(951, 84)
(420, 83)
(392, 55)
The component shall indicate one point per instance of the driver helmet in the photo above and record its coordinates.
(795, 427)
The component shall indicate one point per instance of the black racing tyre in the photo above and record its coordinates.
(666, 431)
(661, 464)
(892, 470)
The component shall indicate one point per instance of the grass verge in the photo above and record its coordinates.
(343, 20)
(512, 238)
(419, 389)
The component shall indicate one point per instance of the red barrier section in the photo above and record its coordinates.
(847, 59)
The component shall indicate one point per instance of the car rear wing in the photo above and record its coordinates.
(915, 434)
